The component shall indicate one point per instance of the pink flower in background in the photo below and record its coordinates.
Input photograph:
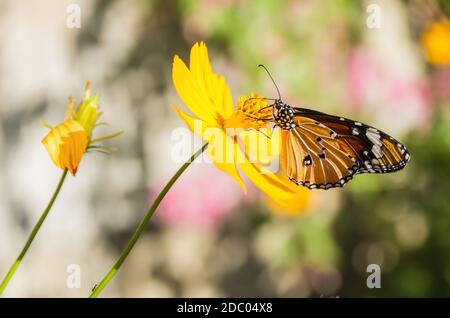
(360, 75)
(440, 79)
(388, 94)
(202, 198)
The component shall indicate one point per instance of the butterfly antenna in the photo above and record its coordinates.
(273, 81)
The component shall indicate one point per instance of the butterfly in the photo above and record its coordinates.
(322, 151)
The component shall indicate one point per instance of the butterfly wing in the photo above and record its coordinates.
(325, 151)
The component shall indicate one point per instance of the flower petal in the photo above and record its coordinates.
(262, 146)
(197, 126)
(299, 203)
(264, 179)
(221, 148)
(66, 145)
(210, 83)
(222, 152)
(192, 93)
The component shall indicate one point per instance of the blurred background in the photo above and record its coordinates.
(208, 238)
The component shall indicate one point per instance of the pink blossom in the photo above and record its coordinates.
(203, 197)
(387, 93)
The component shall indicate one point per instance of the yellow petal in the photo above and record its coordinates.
(298, 204)
(264, 179)
(195, 125)
(210, 83)
(191, 93)
(221, 149)
(66, 144)
(262, 146)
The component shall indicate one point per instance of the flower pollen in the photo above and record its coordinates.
(250, 113)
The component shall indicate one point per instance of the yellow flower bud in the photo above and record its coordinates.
(66, 144)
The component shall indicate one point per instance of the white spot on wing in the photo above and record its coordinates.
(377, 151)
(374, 136)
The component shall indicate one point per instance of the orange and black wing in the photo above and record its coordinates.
(324, 151)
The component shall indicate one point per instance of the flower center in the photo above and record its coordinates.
(250, 113)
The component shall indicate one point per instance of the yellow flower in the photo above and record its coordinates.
(298, 204)
(231, 133)
(66, 144)
(436, 43)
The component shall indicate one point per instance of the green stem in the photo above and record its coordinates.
(33, 233)
(110, 275)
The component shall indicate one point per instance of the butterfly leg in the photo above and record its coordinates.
(258, 118)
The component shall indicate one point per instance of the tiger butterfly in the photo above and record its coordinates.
(322, 151)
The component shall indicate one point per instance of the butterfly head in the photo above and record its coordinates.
(283, 114)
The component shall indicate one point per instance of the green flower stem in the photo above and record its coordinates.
(33, 234)
(110, 275)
